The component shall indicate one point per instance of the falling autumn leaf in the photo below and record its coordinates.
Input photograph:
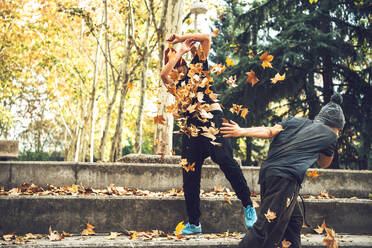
(218, 69)
(179, 228)
(288, 202)
(88, 230)
(286, 244)
(210, 132)
(251, 77)
(244, 112)
(236, 108)
(255, 204)
(159, 119)
(270, 215)
(215, 32)
(228, 200)
(313, 173)
(277, 78)
(266, 59)
(313, 1)
(229, 62)
(130, 87)
(232, 81)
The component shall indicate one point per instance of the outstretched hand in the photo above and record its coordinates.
(231, 129)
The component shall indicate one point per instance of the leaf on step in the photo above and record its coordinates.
(313, 173)
(228, 200)
(329, 240)
(179, 228)
(54, 235)
(113, 235)
(320, 229)
(286, 244)
(88, 230)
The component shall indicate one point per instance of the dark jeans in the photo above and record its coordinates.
(197, 149)
(288, 222)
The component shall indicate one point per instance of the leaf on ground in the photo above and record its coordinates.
(270, 215)
(329, 240)
(54, 235)
(88, 230)
(228, 200)
(179, 228)
(320, 229)
(113, 235)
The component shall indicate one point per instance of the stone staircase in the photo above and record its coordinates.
(349, 212)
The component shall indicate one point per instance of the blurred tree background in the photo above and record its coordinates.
(79, 80)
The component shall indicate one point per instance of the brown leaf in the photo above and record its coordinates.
(159, 119)
(266, 59)
(215, 32)
(329, 240)
(54, 235)
(286, 244)
(321, 228)
(228, 200)
(251, 77)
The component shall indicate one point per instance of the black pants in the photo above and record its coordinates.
(197, 149)
(280, 196)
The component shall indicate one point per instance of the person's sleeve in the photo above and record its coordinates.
(284, 123)
(329, 151)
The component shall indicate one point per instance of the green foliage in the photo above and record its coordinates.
(322, 48)
(29, 155)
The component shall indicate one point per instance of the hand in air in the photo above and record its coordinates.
(174, 39)
(187, 45)
(231, 129)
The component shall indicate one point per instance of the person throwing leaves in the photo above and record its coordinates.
(298, 143)
(200, 117)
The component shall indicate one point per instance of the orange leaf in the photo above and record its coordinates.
(321, 228)
(244, 112)
(255, 204)
(286, 244)
(266, 59)
(270, 215)
(88, 230)
(232, 81)
(229, 62)
(277, 78)
(130, 86)
(159, 119)
(236, 108)
(228, 200)
(329, 240)
(215, 32)
(218, 69)
(251, 78)
(313, 174)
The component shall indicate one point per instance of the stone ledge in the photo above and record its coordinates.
(200, 241)
(23, 214)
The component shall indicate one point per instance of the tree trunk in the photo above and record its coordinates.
(171, 23)
(138, 139)
(311, 97)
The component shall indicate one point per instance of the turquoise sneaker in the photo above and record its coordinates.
(191, 229)
(250, 216)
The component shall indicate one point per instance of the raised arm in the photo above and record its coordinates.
(232, 129)
(204, 39)
(167, 68)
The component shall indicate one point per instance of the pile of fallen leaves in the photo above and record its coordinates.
(330, 235)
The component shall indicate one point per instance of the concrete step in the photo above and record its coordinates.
(162, 177)
(23, 214)
(200, 241)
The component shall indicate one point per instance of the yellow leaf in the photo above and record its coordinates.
(277, 78)
(329, 240)
(255, 204)
(229, 62)
(113, 235)
(266, 59)
(270, 215)
(218, 69)
(179, 228)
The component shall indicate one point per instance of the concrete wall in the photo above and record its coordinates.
(162, 177)
(22, 214)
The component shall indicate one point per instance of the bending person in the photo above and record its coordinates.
(298, 143)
